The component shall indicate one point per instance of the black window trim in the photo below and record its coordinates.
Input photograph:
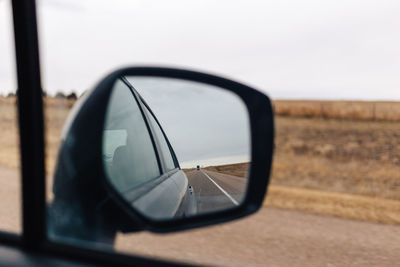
(146, 186)
(150, 113)
(148, 126)
(31, 123)
(171, 150)
(143, 106)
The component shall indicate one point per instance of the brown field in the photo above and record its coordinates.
(239, 169)
(9, 156)
(56, 112)
(341, 162)
(349, 110)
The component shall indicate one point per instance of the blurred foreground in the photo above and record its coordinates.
(275, 237)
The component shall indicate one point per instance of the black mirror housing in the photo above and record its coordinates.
(80, 179)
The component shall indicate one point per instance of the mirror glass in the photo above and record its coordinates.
(176, 148)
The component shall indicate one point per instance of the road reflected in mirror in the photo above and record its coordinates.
(175, 148)
(218, 187)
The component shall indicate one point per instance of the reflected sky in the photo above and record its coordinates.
(206, 125)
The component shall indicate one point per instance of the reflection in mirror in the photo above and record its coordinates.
(174, 148)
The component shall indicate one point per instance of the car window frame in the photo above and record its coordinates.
(146, 186)
(171, 150)
(143, 106)
(161, 139)
(149, 131)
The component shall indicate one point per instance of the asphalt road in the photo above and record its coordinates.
(216, 191)
(274, 237)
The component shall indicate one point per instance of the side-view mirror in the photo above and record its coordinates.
(163, 150)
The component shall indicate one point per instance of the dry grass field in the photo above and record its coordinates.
(346, 168)
(344, 162)
(349, 110)
(56, 112)
(9, 156)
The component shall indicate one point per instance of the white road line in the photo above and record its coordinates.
(222, 190)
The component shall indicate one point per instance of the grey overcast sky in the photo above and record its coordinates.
(205, 125)
(289, 49)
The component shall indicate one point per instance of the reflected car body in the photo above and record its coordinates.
(162, 190)
(166, 195)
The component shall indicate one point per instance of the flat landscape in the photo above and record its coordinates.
(347, 110)
(340, 163)
(345, 168)
(331, 160)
